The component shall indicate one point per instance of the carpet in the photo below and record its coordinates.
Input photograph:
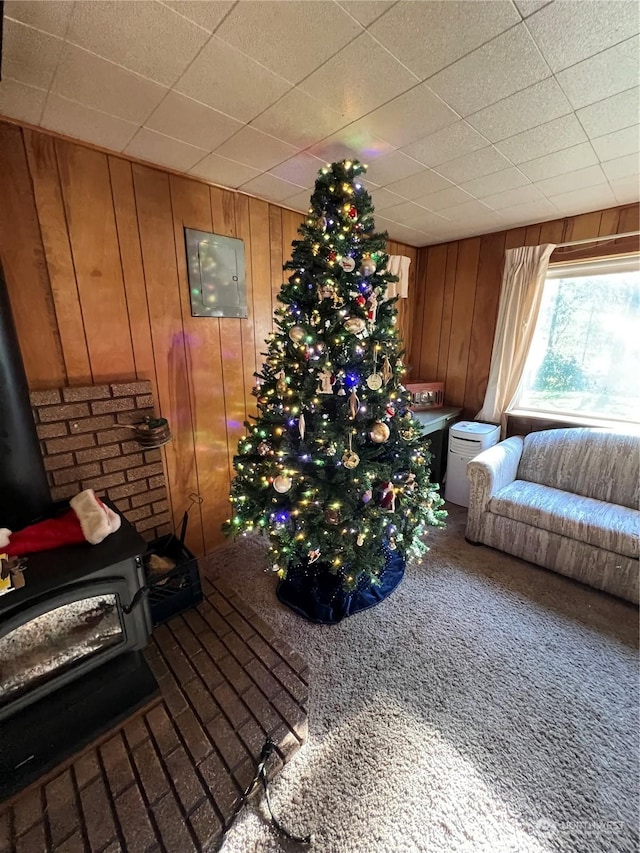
(486, 705)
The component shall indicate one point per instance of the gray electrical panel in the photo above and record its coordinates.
(217, 284)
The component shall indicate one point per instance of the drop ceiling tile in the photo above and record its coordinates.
(469, 210)
(255, 148)
(231, 82)
(622, 167)
(51, 17)
(157, 148)
(414, 216)
(614, 113)
(205, 15)
(256, 27)
(545, 139)
(509, 198)
(497, 182)
(222, 171)
(446, 144)
(97, 83)
(475, 165)
(421, 184)
(299, 201)
(586, 199)
(404, 234)
(301, 169)
(192, 122)
(529, 213)
(353, 141)
(346, 82)
(383, 198)
(618, 143)
(472, 83)
(86, 124)
(528, 7)
(22, 102)
(408, 117)
(588, 177)
(429, 36)
(366, 11)
(269, 187)
(299, 119)
(626, 190)
(567, 33)
(521, 111)
(29, 56)
(567, 160)
(392, 167)
(603, 75)
(143, 36)
(445, 198)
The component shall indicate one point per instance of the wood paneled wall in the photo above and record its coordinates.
(93, 252)
(455, 301)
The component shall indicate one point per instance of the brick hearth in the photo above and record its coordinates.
(168, 780)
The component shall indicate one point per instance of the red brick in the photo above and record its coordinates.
(135, 416)
(221, 785)
(154, 782)
(238, 647)
(261, 709)
(62, 413)
(85, 392)
(122, 389)
(227, 742)
(135, 731)
(93, 425)
(72, 442)
(161, 506)
(45, 398)
(296, 687)
(33, 841)
(97, 814)
(86, 768)
(265, 681)
(285, 741)
(152, 522)
(293, 715)
(162, 729)
(156, 482)
(207, 826)
(73, 844)
(134, 820)
(234, 673)
(61, 807)
(78, 472)
(105, 407)
(173, 697)
(116, 764)
(122, 462)
(148, 497)
(152, 455)
(145, 401)
(62, 460)
(201, 699)
(266, 654)
(195, 621)
(241, 625)
(173, 831)
(130, 446)
(232, 705)
(253, 737)
(27, 810)
(188, 785)
(127, 490)
(5, 832)
(220, 603)
(138, 514)
(194, 735)
(145, 471)
(185, 636)
(114, 434)
(96, 453)
(52, 430)
(245, 773)
(104, 481)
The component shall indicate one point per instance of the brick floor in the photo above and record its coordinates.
(168, 781)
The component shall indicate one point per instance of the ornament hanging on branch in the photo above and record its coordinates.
(297, 333)
(332, 516)
(313, 555)
(387, 372)
(281, 384)
(360, 540)
(354, 325)
(350, 458)
(347, 263)
(379, 432)
(302, 426)
(388, 497)
(374, 380)
(263, 448)
(367, 266)
(282, 484)
(354, 405)
(321, 222)
(372, 307)
(325, 381)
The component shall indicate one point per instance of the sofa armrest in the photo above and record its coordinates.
(490, 471)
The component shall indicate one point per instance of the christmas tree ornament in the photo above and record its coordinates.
(347, 263)
(354, 325)
(297, 334)
(263, 448)
(360, 540)
(332, 449)
(282, 484)
(302, 426)
(322, 222)
(392, 544)
(374, 380)
(354, 404)
(331, 516)
(313, 555)
(387, 497)
(372, 307)
(332, 256)
(379, 432)
(350, 458)
(387, 372)
(366, 496)
(281, 384)
(367, 265)
(325, 382)
(327, 291)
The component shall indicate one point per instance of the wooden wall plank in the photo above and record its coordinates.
(432, 314)
(55, 238)
(192, 209)
(447, 312)
(84, 175)
(261, 275)
(417, 307)
(24, 266)
(247, 327)
(462, 319)
(155, 222)
(275, 254)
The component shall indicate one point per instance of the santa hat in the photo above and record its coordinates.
(88, 520)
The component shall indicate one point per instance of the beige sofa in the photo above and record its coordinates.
(565, 499)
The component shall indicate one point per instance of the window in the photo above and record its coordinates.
(584, 360)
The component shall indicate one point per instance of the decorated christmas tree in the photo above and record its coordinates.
(333, 468)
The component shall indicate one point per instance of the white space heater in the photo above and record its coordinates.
(466, 440)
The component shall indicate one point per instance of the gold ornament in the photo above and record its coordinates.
(360, 539)
(374, 382)
(281, 384)
(350, 459)
(354, 325)
(367, 265)
(379, 432)
(387, 372)
(354, 404)
(297, 333)
(282, 484)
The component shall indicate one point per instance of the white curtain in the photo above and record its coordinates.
(525, 270)
(398, 265)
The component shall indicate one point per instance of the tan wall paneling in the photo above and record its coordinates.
(455, 304)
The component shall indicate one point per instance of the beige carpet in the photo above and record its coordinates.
(487, 705)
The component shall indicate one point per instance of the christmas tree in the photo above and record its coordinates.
(332, 468)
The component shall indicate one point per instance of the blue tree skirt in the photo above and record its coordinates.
(320, 597)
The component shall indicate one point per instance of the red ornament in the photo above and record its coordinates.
(390, 411)
(360, 300)
(332, 255)
(353, 213)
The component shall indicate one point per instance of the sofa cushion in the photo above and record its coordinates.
(595, 463)
(603, 525)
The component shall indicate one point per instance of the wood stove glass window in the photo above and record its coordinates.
(59, 639)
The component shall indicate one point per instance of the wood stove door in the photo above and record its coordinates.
(56, 640)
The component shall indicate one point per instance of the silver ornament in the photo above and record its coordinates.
(282, 484)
